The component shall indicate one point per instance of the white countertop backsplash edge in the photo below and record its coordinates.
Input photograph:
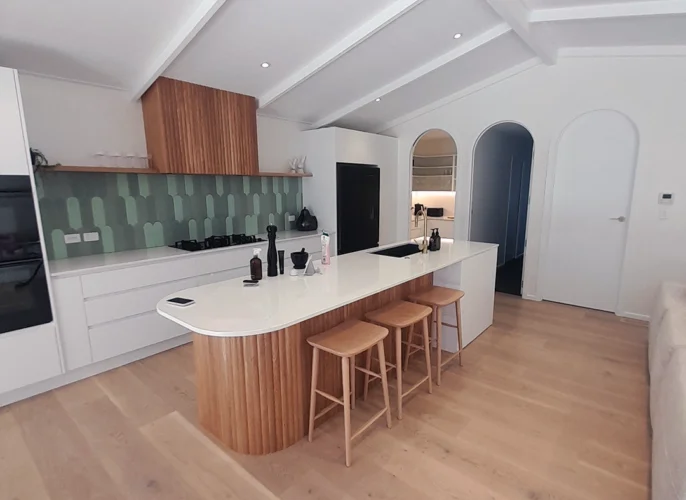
(77, 266)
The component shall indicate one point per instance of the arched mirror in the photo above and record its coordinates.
(434, 162)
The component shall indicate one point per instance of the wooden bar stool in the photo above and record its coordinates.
(346, 341)
(399, 315)
(437, 297)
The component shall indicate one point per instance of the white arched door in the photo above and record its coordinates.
(594, 173)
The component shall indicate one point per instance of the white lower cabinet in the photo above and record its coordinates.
(126, 335)
(107, 314)
(28, 356)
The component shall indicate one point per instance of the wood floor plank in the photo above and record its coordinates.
(138, 469)
(551, 403)
(19, 476)
(139, 403)
(69, 467)
(211, 472)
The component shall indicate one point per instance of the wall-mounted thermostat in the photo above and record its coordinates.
(666, 199)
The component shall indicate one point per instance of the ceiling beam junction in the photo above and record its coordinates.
(610, 10)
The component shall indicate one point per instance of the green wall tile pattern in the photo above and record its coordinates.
(136, 211)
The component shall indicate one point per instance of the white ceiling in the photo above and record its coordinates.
(330, 59)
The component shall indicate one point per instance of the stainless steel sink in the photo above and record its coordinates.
(400, 251)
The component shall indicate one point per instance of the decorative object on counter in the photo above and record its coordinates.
(310, 270)
(271, 252)
(306, 221)
(435, 240)
(326, 249)
(132, 211)
(300, 259)
(256, 265)
(282, 257)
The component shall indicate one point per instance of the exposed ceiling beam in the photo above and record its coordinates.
(610, 10)
(517, 15)
(432, 65)
(354, 38)
(472, 89)
(195, 22)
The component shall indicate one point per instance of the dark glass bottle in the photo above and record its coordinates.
(256, 265)
(272, 256)
(437, 241)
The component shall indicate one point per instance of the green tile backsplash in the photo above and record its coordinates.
(134, 211)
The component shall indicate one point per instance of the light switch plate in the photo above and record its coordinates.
(291, 218)
(72, 238)
(94, 236)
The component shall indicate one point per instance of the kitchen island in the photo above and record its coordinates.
(252, 359)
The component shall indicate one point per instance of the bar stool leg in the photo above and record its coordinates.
(384, 383)
(439, 343)
(352, 381)
(427, 351)
(346, 407)
(313, 393)
(368, 366)
(407, 348)
(458, 313)
(398, 370)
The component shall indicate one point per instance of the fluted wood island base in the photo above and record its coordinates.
(251, 391)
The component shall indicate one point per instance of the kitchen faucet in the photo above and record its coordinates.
(424, 245)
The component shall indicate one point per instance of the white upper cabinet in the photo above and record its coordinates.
(13, 155)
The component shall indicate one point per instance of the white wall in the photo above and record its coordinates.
(70, 122)
(545, 99)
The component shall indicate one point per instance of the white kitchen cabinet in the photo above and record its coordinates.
(71, 320)
(14, 159)
(28, 356)
(126, 335)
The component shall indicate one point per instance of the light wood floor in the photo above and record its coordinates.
(550, 403)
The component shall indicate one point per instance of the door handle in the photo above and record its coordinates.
(621, 218)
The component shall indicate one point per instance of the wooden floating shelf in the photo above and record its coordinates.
(126, 170)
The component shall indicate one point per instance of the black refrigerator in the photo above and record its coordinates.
(357, 201)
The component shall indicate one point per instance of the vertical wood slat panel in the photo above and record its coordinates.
(194, 129)
(251, 390)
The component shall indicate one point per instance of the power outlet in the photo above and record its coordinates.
(94, 236)
(72, 238)
(291, 218)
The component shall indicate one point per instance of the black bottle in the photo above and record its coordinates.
(437, 240)
(272, 256)
(432, 241)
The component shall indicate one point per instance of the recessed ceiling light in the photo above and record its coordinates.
(265, 64)
(457, 35)
(377, 99)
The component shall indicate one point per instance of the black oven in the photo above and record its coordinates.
(24, 296)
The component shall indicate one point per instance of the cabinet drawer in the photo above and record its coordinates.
(130, 334)
(137, 277)
(28, 356)
(122, 305)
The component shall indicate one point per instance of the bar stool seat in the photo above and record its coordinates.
(398, 315)
(346, 341)
(437, 297)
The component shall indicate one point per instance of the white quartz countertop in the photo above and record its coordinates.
(229, 309)
(109, 261)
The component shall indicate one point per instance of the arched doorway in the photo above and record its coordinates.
(501, 178)
(434, 174)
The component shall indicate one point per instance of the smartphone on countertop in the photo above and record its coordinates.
(181, 302)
